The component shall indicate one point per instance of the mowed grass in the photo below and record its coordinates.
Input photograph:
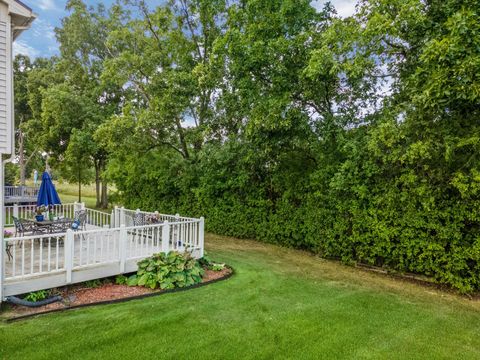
(280, 304)
(89, 201)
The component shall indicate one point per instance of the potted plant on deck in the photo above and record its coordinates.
(40, 210)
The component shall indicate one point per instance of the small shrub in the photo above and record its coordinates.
(121, 280)
(36, 296)
(93, 283)
(167, 271)
(216, 267)
(205, 260)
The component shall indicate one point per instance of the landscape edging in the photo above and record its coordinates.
(116, 301)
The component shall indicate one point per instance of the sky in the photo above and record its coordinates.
(39, 41)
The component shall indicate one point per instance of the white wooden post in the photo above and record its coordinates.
(137, 213)
(76, 208)
(201, 235)
(177, 233)
(116, 222)
(112, 219)
(69, 241)
(122, 247)
(166, 237)
(82, 206)
(15, 210)
(122, 216)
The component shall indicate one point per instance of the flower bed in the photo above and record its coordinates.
(103, 291)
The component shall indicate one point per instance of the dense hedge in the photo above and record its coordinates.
(381, 204)
(397, 188)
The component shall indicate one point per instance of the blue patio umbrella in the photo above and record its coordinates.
(47, 194)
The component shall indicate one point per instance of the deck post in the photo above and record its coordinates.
(201, 239)
(112, 219)
(122, 244)
(69, 240)
(15, 210)
(122, 215)
(165, 237)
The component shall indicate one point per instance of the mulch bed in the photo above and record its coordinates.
(107, 292)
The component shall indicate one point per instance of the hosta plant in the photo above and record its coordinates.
(167, 271)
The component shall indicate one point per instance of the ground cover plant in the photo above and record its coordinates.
(280, 303)
(167, 271)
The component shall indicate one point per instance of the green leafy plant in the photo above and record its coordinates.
(36, 296)
(93, 283)
(167, 271)
(216, 267)
(205, 260)
(121, 280)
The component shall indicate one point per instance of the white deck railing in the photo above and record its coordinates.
(21, 191)
(51, 260)
(28, 211)
(34, 255)
(98, 218)
(130, 217)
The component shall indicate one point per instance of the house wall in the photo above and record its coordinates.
(6, 126)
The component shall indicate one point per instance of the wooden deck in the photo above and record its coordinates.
(53, 260)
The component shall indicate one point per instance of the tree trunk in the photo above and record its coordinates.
(21, 158)
(181, 136)
(104, 194)
(97, 183)
(104, 197)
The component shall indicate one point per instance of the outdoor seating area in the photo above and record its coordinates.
(25, 227)
(81, 244)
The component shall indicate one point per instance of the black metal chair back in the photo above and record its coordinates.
(19, 227)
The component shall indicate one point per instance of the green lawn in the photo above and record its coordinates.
(69, 192)
(90, 201)
(280, 304)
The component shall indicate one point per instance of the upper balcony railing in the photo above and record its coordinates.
(20, 194)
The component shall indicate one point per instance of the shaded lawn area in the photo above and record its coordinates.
(280, 304)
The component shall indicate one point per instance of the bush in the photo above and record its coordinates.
(167, 271)
(36, 296)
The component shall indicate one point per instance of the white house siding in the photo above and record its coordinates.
(6, 126)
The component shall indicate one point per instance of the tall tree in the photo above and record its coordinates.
(83, 37)
(26, 147)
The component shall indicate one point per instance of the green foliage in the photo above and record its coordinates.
(217, 267)
(11, 173)
(36, 296)
(121, 280)
(356, 138)
(205, 261)
(305, 149)
(167, 271)
(92, 283)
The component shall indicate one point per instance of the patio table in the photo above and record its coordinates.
(53, 225)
